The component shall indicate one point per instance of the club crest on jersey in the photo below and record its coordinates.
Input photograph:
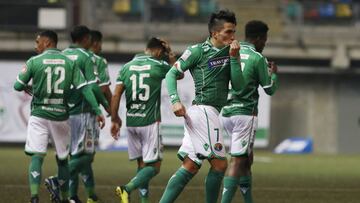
(218, 62)
(218, 146)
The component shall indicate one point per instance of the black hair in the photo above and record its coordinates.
(219, 18)
(50, 35)
(255, 29)
(96, 36)
(155, 43)
(79, 32)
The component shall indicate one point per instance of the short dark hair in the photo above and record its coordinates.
(155, 43)
(96, 36)
(50, 34)
(219, 18)
(255, 29)
(79, 32)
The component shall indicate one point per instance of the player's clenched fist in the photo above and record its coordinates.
(234, 48)
(272, 67)
(179, 109)
(101, 120)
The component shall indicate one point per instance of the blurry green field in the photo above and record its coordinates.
(277, 178)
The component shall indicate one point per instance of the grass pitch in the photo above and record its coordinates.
(276, 178)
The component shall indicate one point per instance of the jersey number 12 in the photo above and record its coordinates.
(58, 71)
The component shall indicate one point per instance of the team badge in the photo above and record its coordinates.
(89, 143)
(206, 147)
(218, 146)
(244, 143)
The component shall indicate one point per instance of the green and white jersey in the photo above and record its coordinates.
(255, 72)
(52, 74)
(85, 61)
(142, 79)
(210, 69)
(102, 70)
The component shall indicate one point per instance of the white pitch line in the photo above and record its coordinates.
(297, 189)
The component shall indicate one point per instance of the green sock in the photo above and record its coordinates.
(144, 191)
(245, 188)
(141, 178)
(175, 185)
(74, 167)
(230, 186)
(87, 175)
(35, 173)
(63, 177)
(213, 183)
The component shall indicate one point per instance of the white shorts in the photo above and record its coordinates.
(84, 133)
(203, 138)
(145, 142)
(242, 129)
(39, 132)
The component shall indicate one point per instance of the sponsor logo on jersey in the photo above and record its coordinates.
(218, 62)
(54, 61)
(185, 55)
(53, 101)
(155, 150)
(140, 68)
(72, 57)
(218, 146)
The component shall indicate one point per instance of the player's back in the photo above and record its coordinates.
(142, 79)
(245, 100)
(85, 62)
(52, 75)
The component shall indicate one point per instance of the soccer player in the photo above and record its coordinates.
(239, 117)
(209, 64)
(141, 80)
(101, 64)
(84, 132)
(52, 74)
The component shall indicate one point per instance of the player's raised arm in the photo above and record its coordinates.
(237, 79)
(268, 76)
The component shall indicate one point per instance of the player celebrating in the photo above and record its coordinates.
(240, 116)
(141, 80)
(209, 65)
(52, 74)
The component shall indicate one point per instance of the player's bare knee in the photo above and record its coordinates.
(190, 166)
(219, 164)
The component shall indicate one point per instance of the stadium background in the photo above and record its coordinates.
(314, 42)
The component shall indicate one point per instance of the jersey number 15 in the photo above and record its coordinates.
(137, 84)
